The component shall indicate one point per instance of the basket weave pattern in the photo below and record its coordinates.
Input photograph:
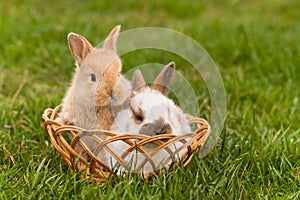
(80, 157)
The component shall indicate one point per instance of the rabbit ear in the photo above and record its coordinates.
(79, 47)
(163, 80)
(138, 80)
(111, 40)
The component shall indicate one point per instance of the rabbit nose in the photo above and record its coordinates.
(163, 129)
(159, 127)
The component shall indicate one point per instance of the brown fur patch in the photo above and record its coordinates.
(105, 117)
(109, 79)
(140, 113)
(107, 84)
(167, 129)
(158, 127)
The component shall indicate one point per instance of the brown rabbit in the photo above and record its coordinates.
(97, 88)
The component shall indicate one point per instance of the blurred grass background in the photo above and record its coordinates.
(256, 46)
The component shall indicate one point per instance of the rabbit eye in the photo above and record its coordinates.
(138, 117)
(93, 77)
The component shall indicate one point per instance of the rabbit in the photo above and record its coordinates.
(98, 90)
(150, 112)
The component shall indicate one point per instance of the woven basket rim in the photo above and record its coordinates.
(78, 163)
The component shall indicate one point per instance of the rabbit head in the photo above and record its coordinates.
(98, 71)
(97, 84)
(150, 111)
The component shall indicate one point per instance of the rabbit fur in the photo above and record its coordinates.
(98, 90)
(151, 113)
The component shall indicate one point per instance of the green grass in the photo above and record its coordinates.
(256, 47)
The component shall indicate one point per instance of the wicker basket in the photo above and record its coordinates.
(68, 141)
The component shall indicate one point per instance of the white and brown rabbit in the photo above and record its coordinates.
(97, 87)
(150, 112)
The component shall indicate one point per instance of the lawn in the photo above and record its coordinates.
(255, 45)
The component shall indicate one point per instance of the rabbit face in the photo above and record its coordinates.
(97, 77)
(104, 73)
(154, 114)
(98, 80)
